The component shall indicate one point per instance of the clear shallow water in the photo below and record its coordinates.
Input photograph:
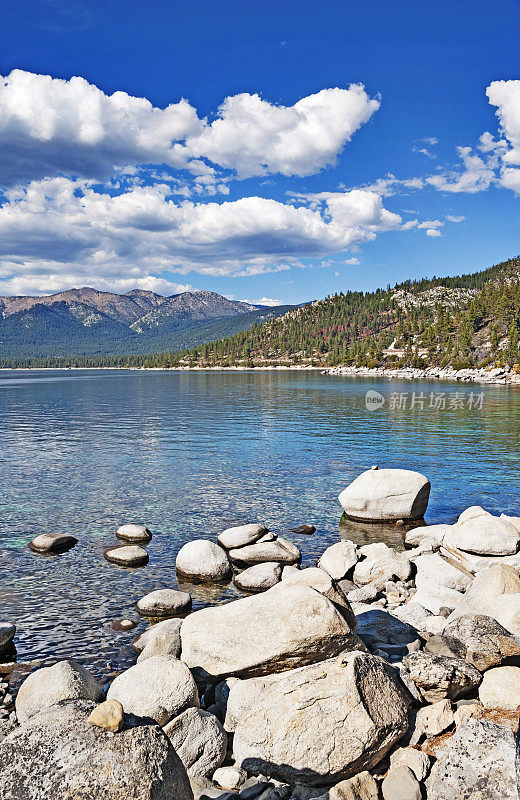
(189, 454)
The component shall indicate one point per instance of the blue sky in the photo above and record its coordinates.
(281, 194)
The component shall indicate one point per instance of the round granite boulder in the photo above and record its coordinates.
(130, 555)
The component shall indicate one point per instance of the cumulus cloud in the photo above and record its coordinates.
(265, 301)
(50, 126)
(62, 230)
(433, 232)
(254, 137)
(455, 218)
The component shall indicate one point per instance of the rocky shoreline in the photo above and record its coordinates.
(374, 674)
(499, 376)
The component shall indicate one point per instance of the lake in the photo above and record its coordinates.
(189, 454)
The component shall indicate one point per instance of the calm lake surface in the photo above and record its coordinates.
(189, 454)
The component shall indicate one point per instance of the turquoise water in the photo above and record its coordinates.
(189, 454)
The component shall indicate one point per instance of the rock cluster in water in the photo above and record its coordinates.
(375, 674)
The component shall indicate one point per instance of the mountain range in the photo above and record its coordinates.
(88, 322)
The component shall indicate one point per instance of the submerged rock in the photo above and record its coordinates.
(479, 763)
(52, 543)
(306, 529)
(282, 628)
(386, 494)
(199, 740)
(130, 555)
(136, 534)
(164, 603)
(66, 680)
(322, 722)
(58, 754)
(159, 687)
(203, 560)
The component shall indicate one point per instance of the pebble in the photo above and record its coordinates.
(107, 715)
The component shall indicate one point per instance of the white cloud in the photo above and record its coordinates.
(505, 95)
(265, 301)
(453, 218)
(50, 126)
(351, 261)
(254, 137)
(58, 232)
(433, 232)
(390, 185)
(478, 174)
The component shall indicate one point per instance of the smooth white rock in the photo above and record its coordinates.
(500, 688)
(203, 560)
(164, 603)
(386, 494)
(241, 535)
(338, 559)
(484, 535)
(134, 533)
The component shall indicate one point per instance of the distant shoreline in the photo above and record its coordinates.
(498, 377)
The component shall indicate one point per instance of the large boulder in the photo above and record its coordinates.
(484, 535)
(159, 687)
(386, 494)
(506, 611)
(380, 564)
(322, 722)
(426, 533)
(199, 740)
(500, 688)
(259, 577)
(486, 587)
(338, 559)
(482, 641)
(479, 762)
(281, 550)
(280, 629)
(472, 513)
(439, 677)
(58, 754)
(164, 603)
(203, 560)
(65, 680)
(241, 535)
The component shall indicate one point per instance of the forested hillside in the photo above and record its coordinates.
(464, 321)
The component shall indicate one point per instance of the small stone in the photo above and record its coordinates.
(123, 625)
(130, 555)
(465, 712)
(500, 688)
(230, 777)
(416, 760)
(169, 645)
(436, 718)
(361, 787)
(365, 594)
(481, 641)
(135, 534)
(107, 715)
(307, 529)
(401, 784)
(199, 740)
(52, 543)
(164, 603)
